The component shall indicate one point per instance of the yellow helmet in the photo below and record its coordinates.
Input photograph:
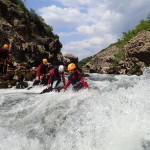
(45, 60)
(71, 66)
(6, 46)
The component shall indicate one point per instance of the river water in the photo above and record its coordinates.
(114, 114)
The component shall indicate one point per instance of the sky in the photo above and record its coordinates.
(85, 27)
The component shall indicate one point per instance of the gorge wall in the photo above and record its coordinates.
(30, 40)
(132, 59)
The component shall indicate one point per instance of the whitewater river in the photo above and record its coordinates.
(114, 114)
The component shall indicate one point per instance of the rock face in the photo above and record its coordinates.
(102, 61)
(30, 41)
(69, 58)
(137, 54)
(139, 47)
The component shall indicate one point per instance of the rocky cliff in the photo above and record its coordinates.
(131, 59)
(30, 41)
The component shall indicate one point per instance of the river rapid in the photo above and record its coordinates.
(114, 114)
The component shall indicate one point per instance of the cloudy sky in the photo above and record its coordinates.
(87, 26)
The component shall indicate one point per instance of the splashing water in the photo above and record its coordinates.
(114, 114)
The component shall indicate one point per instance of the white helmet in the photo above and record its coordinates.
(61, 68)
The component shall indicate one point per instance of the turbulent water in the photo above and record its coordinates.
(114, 114)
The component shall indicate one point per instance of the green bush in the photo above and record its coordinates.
(144, 25)
(37, 23)
(136, 68)
(49, 30)
(20, 5)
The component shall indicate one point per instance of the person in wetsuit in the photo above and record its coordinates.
(4, 59)
(75, 78)
(55, 75)
(42, 70)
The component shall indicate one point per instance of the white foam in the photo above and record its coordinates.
(112, 115)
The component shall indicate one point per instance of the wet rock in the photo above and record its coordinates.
(70, 58)
(21, 85)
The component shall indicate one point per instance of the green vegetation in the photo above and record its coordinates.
(119, 56)
(137, 68)
(20, 5)
(84, 61)
(37, 23)
(144, 25)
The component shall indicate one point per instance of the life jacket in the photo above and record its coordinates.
(75, 77)
(75, 80)
(43, 69)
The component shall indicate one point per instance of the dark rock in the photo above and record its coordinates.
(21, 85)
(28, 44)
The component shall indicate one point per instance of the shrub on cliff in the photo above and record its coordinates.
(20, 5)
(144, 25)
(37, 23)
(119, 56)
